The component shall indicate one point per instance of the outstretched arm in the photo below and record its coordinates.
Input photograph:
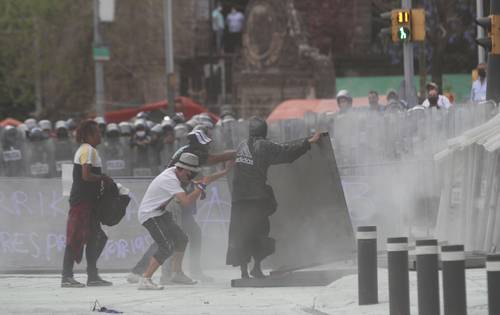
(289, 152)
(223, 157)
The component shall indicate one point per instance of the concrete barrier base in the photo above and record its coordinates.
(308, 278)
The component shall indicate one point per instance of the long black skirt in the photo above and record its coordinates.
(249, 232)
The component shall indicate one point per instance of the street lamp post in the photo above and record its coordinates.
(99, 65)
(409, 71)
(169, 57)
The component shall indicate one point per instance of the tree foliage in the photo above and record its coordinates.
(32, 49)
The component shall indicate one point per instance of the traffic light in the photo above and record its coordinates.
(401, 25)
(485, 22)
(495, 34)
(417, 25)
(491, 25)
(407, 25)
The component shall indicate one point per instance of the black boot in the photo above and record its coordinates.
(244, 271)
(257, 271)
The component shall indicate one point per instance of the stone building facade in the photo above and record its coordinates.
(136, 72)
(288, 49)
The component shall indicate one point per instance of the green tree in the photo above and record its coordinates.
(35, 43)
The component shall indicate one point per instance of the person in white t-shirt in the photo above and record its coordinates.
(154, 216)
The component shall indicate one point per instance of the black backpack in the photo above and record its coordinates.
(111, 206)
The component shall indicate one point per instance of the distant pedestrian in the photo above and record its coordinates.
(373, 101)
(394, 104)
(235, 21)
(344, 101)
(434, 99)
(218, 28)
(83, 227)
(478, 91)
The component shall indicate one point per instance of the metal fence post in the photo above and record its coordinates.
(453, 262)
(367, 265)
(397, 265)
(427, 277)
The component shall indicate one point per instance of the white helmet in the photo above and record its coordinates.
(45, 124)
(61, 124)
(30, 123)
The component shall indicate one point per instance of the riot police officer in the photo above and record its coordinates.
(64, 146)
(40, 155)
(115, 155)
(140, 145)
(13, 152)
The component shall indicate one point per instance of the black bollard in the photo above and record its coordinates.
(367, 265)
(427, 277)
(453, 262)
(493, 272)
(397, 265)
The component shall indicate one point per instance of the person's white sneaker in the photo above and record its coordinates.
(133, 278)
(147, 284)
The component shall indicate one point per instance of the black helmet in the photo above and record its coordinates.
(257, 127)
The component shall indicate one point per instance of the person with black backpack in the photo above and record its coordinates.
(83, 227)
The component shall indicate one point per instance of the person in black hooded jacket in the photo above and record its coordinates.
(252, 199)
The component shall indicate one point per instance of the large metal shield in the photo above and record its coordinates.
(312, 225)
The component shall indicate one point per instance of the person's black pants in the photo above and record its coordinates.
(193, 230)
(93, 249)
(167, 235)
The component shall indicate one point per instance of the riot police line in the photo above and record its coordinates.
(140, 148)
(364, 140)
